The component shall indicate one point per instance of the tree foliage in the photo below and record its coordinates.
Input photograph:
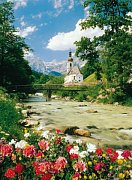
(14, 69)
(111, 14)
(114, 46)
(86, 51)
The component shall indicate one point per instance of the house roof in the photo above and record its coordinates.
(74, 70)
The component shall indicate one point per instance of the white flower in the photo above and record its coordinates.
(27, 135)
(79, 141)
(12, 142)
(45, 134)
(41, 127)
(21, 144)
(83, 154)
(91, 147)
(74, 150)
(119, 156)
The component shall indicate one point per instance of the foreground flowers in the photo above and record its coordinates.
(49, 156)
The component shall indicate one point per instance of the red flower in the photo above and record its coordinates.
(60, 163)
(73, 156)
(80, 166)
(37, 168)
(109, 150)
(126, 154)
(19, 168)
(99, 151)
(39, 155)
(29, 151)
(44, 145)
(114, 156)
(44, 166)
(98, 166)
(58, 131)
(69, 147)
(46, 177)
(76, 175)
(6, 150)
(10, 173)
(58, 140)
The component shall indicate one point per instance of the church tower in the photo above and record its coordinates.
(69, 62)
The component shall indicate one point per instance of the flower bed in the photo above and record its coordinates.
(45, 155)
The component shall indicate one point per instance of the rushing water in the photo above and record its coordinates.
(103, 121)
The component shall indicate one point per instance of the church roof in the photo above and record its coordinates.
(74, 70)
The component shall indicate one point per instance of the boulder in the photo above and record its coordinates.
(70, 130)
(82, 132)
(29, 122)
(92, 111)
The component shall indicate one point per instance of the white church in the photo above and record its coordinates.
(74, 75)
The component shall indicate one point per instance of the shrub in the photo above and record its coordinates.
(9, 117)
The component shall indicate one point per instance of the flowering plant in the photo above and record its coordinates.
(45, 155)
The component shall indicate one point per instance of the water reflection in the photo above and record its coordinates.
(35, 98)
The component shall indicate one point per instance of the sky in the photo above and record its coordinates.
(50, 27)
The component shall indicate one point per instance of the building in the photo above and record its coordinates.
(74, 75)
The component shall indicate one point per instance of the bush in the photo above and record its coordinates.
(81, 97)
(127, 101)
(9, 117)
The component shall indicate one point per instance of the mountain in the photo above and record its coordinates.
(36, 64)
(54, 67)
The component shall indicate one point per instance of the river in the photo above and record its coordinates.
(108, 124)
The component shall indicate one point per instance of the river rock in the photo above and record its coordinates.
(82, 132)
(24, 112)
(92, 111)
(29, 122)
(70, 130)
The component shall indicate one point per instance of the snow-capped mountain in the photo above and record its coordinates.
(48, 67)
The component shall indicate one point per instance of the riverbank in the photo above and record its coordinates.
(108, 124)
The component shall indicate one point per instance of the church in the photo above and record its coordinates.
(74, 75)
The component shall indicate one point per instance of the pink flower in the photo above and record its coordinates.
(37, 168)
(60, 164)
(98, 166)
(44, 145)
(10, 173)
(19, 168)
(80, 166)
(6, 150)
(126, 154)
(29, 151)
(44, 166)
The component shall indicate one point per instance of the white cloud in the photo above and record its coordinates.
(27, 31)
(18, 3)
(39, 15)
(65, 41)
(23, 23)
(71, 4)
(57, 4)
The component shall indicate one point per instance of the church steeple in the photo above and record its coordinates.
(70, 56)
(70, 62)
